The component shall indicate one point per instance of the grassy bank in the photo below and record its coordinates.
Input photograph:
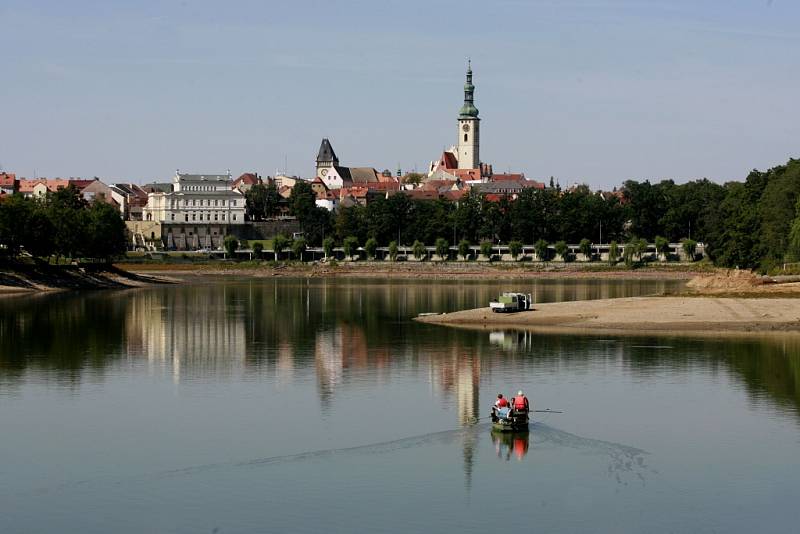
(24, 275)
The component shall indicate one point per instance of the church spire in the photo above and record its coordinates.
(468, 110)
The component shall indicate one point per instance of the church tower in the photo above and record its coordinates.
(326, 158)
(469, 128)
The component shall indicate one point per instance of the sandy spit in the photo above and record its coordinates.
(711, 315)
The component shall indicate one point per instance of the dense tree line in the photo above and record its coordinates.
(63, 224)
(750, 224)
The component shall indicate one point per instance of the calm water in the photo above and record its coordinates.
(318, 406)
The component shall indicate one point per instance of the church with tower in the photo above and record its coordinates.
(463, 160)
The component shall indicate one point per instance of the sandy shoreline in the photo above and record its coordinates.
(710, 315)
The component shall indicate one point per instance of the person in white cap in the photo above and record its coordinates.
(520, 402)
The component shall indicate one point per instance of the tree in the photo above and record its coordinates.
(15, 214)
(542, 249)
(371, 247)
(298, 247)
(585, 247)
(413, 178)
(641, 247)
(419, 249)
(442, 248)
(279, 244)
(689, 247)
(258, 249)
(515, 248)
(327, 247)
(562, 250)
(231, 244)
(486, 249)
(613, 253)
(350, 245)
(105, 231)
(302, 201)
(463, 249)
(255, 200)
(393, 251)
(662, 246)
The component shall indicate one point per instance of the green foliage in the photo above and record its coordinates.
(350, 244)
(371, 247)
(662, 246)
(689, 248)
(231, 244)
(258, 249)
(105, 232)
(414, 178)
(515, 248)
(585, 247)
(419, 249)
(640, 246)
(562, 250)
(393, 249)
(486, 249)
(613, 253)
(542, 249)
(442, 248)
(463, 248)
(279, 244)
(298, 247)
(261, 202)
(327, 247)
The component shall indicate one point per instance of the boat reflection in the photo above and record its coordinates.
(508, 444)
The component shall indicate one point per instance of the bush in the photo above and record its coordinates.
(562, 250)
(585, 247)
(350, 246)
(662, 246)
(258, 249)
(613, 253)
(298, 247)
(327, 247)
(393, 248)
(419, 249)
(231, 244)
(442, 248)
(486, 249)
(689, 247)
(463, 248)
(542, 249)
(279, 244)
(515, 248)
(371, 247)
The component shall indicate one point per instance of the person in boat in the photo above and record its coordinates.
(520, 403)
(501, 408)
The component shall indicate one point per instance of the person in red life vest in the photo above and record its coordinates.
(520, 402)
(501, 401)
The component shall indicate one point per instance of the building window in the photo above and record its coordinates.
(186, 218)
(208, 216)
(234, 216)
(465, 138)
(194, 216)
(233, 203)
(173, 216)
(216, 217)
(215, 202)
(223, 216)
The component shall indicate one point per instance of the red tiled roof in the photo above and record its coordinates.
(247, 178)
(509, 177)
(419, 194)
(466, 174)
(7, 178)
(384, 186)
(78, 182)
(454, 195)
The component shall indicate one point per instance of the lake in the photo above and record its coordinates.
(294, 405)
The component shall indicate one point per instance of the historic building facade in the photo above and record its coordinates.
(468, 154)
(197, 199)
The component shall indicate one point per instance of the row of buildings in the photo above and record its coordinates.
(198, 210)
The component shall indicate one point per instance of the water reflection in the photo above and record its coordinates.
(345, 330)
(508, 443)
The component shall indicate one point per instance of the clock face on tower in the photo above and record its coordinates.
(465, 127)
(324, 172)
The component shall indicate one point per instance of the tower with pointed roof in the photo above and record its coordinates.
(468, 128)
(326, 158)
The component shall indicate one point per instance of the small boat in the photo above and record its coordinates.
(511, 302)
(510, 421)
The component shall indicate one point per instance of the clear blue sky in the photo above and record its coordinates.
(595, 91)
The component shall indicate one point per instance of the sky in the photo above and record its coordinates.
(589, 91)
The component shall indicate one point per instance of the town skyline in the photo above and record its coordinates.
(657, 92)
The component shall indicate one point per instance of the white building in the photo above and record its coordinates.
(197, 199)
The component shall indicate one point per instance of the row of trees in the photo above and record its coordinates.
(750, 224)
(63, 224)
